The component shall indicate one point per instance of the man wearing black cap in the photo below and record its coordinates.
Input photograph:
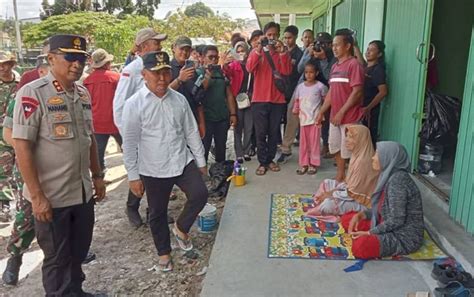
(158, 123)
(56, 151)
(131, 80)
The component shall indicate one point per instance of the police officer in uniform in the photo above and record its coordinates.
(57, 154)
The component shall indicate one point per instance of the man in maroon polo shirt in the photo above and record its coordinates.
(345, 96)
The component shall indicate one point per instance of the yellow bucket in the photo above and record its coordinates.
(239, 180)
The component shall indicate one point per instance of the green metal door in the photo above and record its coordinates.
(461, 206)
(406, 35)
(319, 24)
(350, 14)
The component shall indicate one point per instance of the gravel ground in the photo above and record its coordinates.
(125, 256)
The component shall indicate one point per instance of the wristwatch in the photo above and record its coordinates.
(99, 175)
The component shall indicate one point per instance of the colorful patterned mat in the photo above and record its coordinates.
(292, 235)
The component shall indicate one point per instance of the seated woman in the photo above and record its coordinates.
(333, 198)
(394, 225)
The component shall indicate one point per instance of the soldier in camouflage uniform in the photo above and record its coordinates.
(23, 231)
(8, 82)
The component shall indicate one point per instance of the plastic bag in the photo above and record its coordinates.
(217, 183)
(442, 119)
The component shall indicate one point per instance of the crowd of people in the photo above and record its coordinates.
(58, 118)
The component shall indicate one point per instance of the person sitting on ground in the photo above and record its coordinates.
(241, 84)
(334, 198)
(162, 147)
(308, 97)
(394, 225)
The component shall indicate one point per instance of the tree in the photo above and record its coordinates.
(198, 9)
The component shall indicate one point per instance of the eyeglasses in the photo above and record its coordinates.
(72, 57)
(213, 57)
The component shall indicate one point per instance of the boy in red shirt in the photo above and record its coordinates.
(268, 104)
(344, 97)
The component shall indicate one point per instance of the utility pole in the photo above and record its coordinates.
(18, 34)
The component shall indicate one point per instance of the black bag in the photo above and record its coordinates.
(282, 82)
(443, 114)
(217, 184)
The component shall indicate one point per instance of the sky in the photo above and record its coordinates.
(235, 8)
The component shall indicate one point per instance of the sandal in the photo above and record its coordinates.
(261, 170)
(184, 244)
(165, 266)
(312, 170)
(302, 170)
(274, 167)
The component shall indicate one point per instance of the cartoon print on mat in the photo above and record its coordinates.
(293, 235)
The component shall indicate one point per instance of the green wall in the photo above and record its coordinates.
(451, 35)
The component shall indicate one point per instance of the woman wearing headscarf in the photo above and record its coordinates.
(241, 84)
(333, 198)
(394, 225)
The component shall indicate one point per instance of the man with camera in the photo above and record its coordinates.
(321, 50)
(183, 71)
(268, 102)
(219, 104)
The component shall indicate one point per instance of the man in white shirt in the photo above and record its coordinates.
(159, 124)
(131, 80)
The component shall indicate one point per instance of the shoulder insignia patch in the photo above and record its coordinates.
(30, 105)
(57, 86)
(55, 101)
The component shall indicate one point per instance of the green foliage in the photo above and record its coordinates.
(118, 39)
(81, 23)
(116, 34)
(198, 9)
(216, 27)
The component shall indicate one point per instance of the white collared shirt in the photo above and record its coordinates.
(160, 135)
(131, 80)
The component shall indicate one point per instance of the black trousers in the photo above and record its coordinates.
(218, 132)
(65, 242)
(158, 194)
(102, 140)
(373, 124)
(325, 128)
(267, 119)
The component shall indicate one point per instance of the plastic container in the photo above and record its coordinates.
(239, 180)
(207, 219)
(430, 158)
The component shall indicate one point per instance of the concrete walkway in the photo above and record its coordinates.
(239, 265)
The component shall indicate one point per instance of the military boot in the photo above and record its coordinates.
(10, 275)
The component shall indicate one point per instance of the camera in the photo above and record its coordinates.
(317, 46)
(265, 41)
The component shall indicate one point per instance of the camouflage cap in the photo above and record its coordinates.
(7, 57)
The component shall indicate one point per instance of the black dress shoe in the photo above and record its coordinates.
(10, 275)
(89, 258)
(134, 217)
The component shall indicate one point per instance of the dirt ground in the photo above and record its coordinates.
(125, 256)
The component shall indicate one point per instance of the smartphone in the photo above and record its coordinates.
(189, 64)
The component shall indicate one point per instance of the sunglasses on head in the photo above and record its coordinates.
(73, 57)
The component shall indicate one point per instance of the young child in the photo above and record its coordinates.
(309, 96)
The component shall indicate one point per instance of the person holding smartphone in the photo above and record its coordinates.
(183, 72)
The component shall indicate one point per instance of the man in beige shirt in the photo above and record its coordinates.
(56, 151)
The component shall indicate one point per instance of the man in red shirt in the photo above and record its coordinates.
(344, 97)
(101, 84)
(41, 69)
(268, 104)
